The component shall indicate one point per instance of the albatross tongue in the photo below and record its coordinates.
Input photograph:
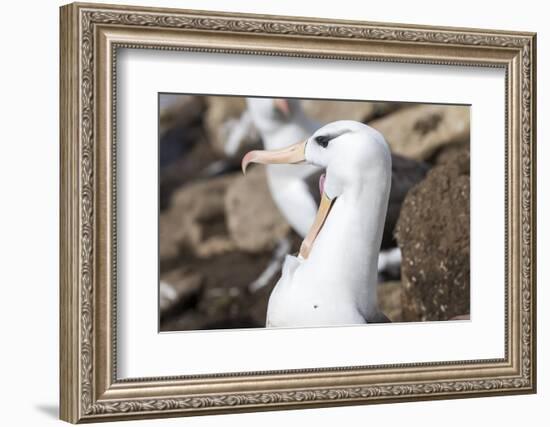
(322, 184)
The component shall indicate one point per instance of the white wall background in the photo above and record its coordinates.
(29, 170)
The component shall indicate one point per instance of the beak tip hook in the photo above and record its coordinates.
(245, 162)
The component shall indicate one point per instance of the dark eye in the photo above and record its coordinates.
(322, 140)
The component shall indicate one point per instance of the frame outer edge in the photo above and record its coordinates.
(68, 227)
(533, 201)
(78, 224)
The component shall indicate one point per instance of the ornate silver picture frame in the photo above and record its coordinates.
(91, 36)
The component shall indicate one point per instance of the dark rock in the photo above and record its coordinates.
(179, 289)
(184, 169)
(183, 151)
(433, 233)
(224, 300)
(179, 127)
(180, 111)
(406, 173)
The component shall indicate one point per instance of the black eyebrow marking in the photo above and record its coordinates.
(323, 140)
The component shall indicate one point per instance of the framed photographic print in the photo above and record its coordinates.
(266, 212)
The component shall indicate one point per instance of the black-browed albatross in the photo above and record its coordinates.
(333, 280)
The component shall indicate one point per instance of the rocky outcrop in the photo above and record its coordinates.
(329, 111)
(420, 131)
(433, 233)
(195, 223)
(253, 220)
(205, 275)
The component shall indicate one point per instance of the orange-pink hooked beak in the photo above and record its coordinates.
(294, 154)
(291, 154)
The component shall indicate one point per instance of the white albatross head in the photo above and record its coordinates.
(269, 114)
(349, 151)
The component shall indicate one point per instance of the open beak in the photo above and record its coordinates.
(294, 154)
(320, 218)
(291, 154)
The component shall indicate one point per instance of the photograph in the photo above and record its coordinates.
(287, 212)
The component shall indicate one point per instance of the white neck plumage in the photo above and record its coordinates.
(346, 250)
